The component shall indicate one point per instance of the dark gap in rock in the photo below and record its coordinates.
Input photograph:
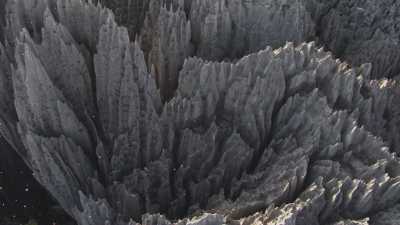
(22, 198)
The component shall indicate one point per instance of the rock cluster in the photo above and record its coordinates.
(360, 31)
(204, 112)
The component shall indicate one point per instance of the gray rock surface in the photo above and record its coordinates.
(166, 40)
(360, 31)
(128, 125)
(235, 28)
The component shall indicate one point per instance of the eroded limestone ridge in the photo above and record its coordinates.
(204, 112)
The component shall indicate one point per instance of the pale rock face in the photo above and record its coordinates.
(201, 112)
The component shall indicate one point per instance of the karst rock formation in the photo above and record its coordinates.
(206, 112)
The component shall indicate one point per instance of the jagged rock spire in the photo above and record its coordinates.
(272, 135)
(168, 37)
(360, 31)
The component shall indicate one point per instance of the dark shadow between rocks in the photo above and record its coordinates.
(22, 198)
